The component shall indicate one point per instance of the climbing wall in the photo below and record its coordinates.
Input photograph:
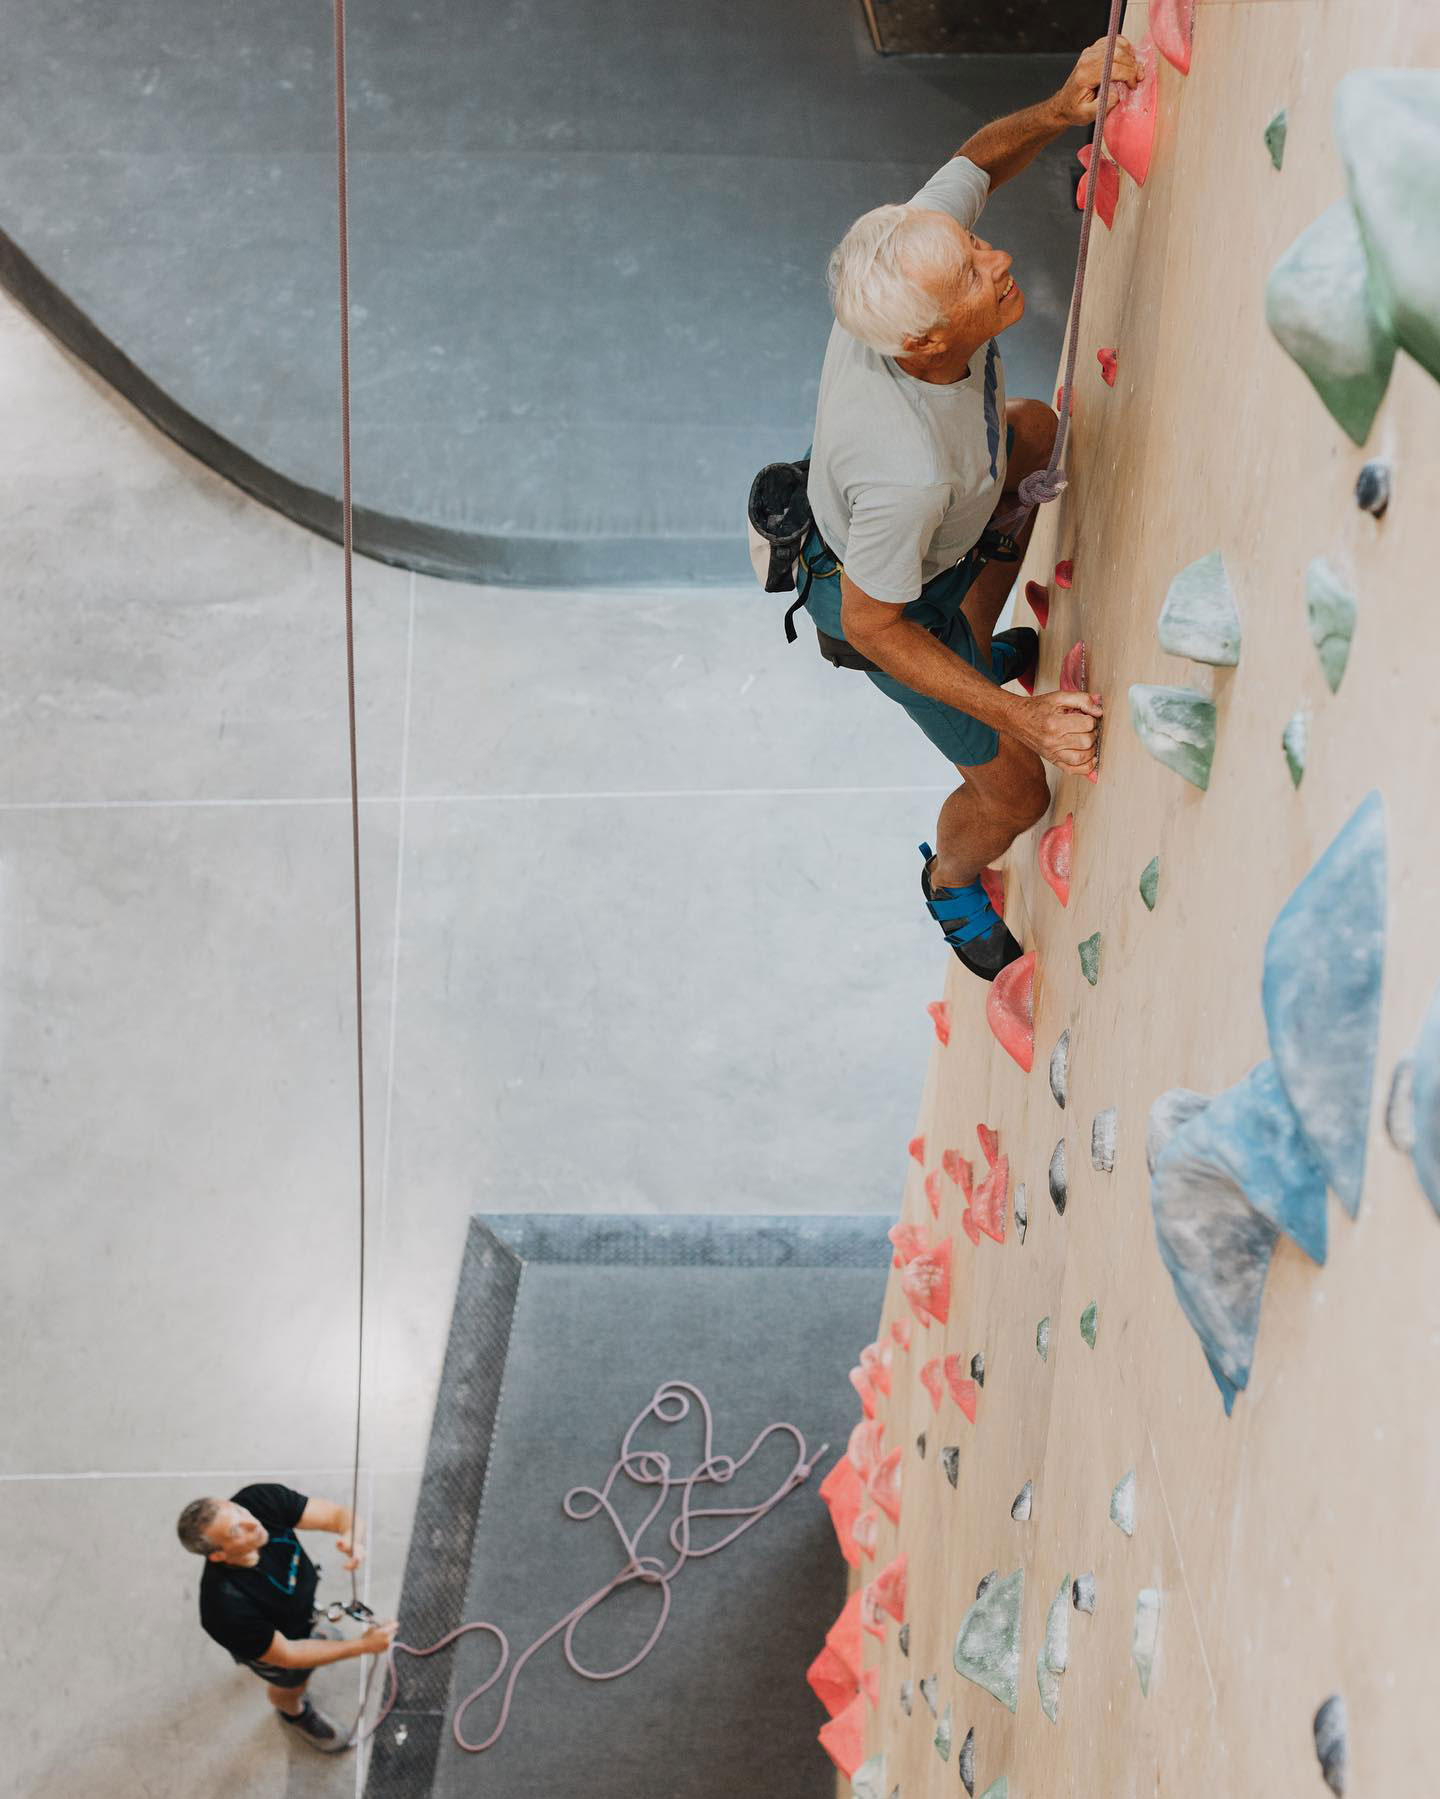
(1177, 1593)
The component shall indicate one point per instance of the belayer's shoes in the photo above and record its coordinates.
(1015, 655)
(316, 1729)
(972, 927)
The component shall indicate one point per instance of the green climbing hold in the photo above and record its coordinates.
(1089, 1318)
(1387, 127)
(1122, 1503)
(945, 1733)
(1042, 1339)
(1318, 304)
(1275, 137)
(998, 1789)
(1146, 1635)
(1090, 958)
(1330, 608)
(1296, 741)
(1150, 882)
(1177, 726)
(987, 1649)
(1199, 618)
(1054, 1655)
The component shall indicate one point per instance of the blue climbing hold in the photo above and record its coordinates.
(1425, 1065)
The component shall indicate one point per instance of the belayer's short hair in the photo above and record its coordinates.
(193, 1525)
(886, 272)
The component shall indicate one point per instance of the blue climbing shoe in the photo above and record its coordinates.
(972, 927)
(1015, 655)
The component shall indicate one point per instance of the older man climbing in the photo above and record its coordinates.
(916, 460)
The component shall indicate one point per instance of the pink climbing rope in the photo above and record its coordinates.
(670, 1405)
(1050, 482)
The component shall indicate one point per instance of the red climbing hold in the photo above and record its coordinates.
(866, 1531)
(890, 1585)
(1130, 128)
(916, 1147)
(1039, 598)
(843, 1490)
(863, 1450)
(989, 1142)
(876, 1363)
(832, 1682)
(939, 1010)
(969, 1226)
(962, 1389)
(1172, 23)
(1075, 669)
(959, 1171)
(870, 1682)
(1064, 574)
(993, 881)
(909, 1241)
(1054, 857)
(843, 1738)
(844, 1638)
(1106, 359)
(932, 1191)
(1106, 194)
(991, 1197)
(883, 1485)
(861, 1383)
(1010, 1010)
(900, 1330)
(931, 1381)
(925, 1282)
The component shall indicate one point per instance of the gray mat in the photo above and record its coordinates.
(563, 1329)
(588, 250)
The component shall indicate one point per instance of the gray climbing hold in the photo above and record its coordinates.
(930, 1692)
(977, 1369)
(1387, 129)
(904, 1639)
(920, 1444)
(907, 1697)
(1145, 1636)
(1020, 1210)
(1060, 1070)
(945, 1732)
(1167, 1114)
(1102, 1141)
(950, 1462)
(1275, 137)
(1059, 1178)
(1020, 1510)
(1089, 1320)
(997, 1789)
(1177, 726)
(1054, 1654)
(1122, 1503)
(1425, 1061)
(1090, 958)
(986, 1582)
(1082, 1593)
(1150, 882)
(1332, 1747)
(966, 1762)
(1295, 741)
(987, 1648)
(1042, 1339)
(1318, 303)
(1324, 959)
(1372, 488)
(868, 1780)
(1400, 1107)
(1199, 618)
(1330, 609)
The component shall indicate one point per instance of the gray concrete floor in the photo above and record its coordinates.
(642, 933)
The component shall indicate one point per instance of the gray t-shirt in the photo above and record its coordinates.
(904, 474)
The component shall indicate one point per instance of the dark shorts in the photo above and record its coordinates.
(279, 1677)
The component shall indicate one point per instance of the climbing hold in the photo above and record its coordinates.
(1275, 137)
(1425, 1124)
(920, 1445)
(993, 882)
(970, 1227)
(866, 1531)
(900, 1330)
(889, 1586)
(1090, 958)
(989, 1143)
(843, 1738)
(977, 1369)
(916, 1148)
(863, 1451)
(932, 1192)
(1053, 853)
(962, 1389)
(1295, 741)
(1331, 1743)
(1122, 1503)
(1177, 726)
(1042, 1339)
(1400, 1107)
(1145, 1636)
(925, 1282)
(930, 1692)
(945, 1733)
(843, 1491)
(1082, 1593)
(1387, 129)
(932, 1381)
(883, 1485)
(1102, 1141)
(868, 1782)
(1172, 23)
(870, 1618)
(1372, 488)
(1074, 669)
(831, 1677)
(1130, 127)
(1059, 1178)
(1054, 1654)
(1020, 1206)
(985, 1583)
(959, 1171)
(950, 1462)
(1020, 1509)
(909, 1241)
(989, 1203)
(939, 1010)
(1318, 304)
(860, 1382)
(1107, 195)
(1199, 618)
(1330, 610)
(904, 1639)
(997, 1789)
(1150, 882)
(1010, 1010)
(987, 1648)
(1064, 574)
(1089, 1320)
(1107, 361)
(966, 1763)
(1324, 959)
(877, 1364)
(1039, 598)
(1167, 1114)
(1060, 1069)
(907, 1697)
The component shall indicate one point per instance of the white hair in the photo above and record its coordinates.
(889, 272)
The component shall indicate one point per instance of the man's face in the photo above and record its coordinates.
(237, 1536)
(985, 300)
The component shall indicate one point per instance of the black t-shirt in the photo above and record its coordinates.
(242, 1608)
